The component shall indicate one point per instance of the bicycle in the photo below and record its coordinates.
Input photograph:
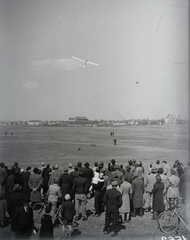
(169, 221)
(39, 211)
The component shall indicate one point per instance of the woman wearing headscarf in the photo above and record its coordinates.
(172, 186)
(158, 198)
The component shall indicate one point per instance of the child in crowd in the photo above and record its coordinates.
(68, 213)
(46, 230)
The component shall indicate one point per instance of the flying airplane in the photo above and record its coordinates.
(85, 62)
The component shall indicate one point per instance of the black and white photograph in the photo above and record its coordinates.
(94, 120)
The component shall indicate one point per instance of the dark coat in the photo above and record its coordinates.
(68, 210)
(88, 174)
(15, 201)
(24, 222)
(26, 189)
(138, 190)
(46, 175)
(112, 200)
(65, 183)
(35, 181)
(46, 230)
(80, 185)
(158, 200)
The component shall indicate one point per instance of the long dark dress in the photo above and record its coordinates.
(158, 200)
(138, 190)
(46, 230)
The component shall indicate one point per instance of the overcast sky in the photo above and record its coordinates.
(132, 41)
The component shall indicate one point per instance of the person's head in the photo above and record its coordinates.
(76, 168)
(140, 163)
(114, 184)
(17, 187)
(153, 170)
(56, 166)
(35, 170)
(67, 197)
(48, 165)
(80, 174)
(95, 164)
(128, 168)
(97, 170)
(26, 203)
(158, 178)
(173, 172)
(28, 169)
(56, 180)
(86, 164)
(134, 161)
(121, 166)
(136, 174)
(48, 209)
(79, 164)
(177, 162)
(160, 170)
(43, 164)
(100, 166)
(157, 161)
(101, 175)
(65, 170)
(130, 162)
(164, 162)
(70, 165)
(16, 164)
(113, 161)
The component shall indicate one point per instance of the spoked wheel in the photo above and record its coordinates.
(38, 212)
(168, 222)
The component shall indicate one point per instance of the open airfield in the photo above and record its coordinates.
(31, 145)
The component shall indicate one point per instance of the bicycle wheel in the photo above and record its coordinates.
(59, 216)
(38, 212)
(168, 222)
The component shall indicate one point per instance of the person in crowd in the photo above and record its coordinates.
(113, 201)
(46, 229)
(112, 166)
(185, 184)
(126, 193)
(18, 178)
(116, 175)
(54, 194)
(158, 165)
(35, 184)
(68, 212)
(88, 174)
(173, 189)
(70, 168)
(80, 189)
(75, 173)
(24, 221)
(158, 200)
(140, 169)
(128, 175)
(15, 201)
(65, 183)
(95, 166)
(178, 168)
(42, 166)
(122, 169)
(26, 175)
(132, 166)
(54, 174)
(80, 167)
(149, 182)
(138, 190)
(164, 180)
(16, 167)
(46, 175)
(166, 168)
(97, 186)
(3, 174)
(3, 208)
(9, 185)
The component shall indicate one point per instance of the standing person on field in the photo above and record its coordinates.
(126, 193)
(46, 230)
(158, 197)
(138, 190)
(68, 213)
(35, 184)
(113, 201)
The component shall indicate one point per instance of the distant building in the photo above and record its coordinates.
(170, 119)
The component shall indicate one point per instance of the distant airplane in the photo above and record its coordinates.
(137, 82)
(85, 62)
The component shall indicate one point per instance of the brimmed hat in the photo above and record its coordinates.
(17, 187)
(158, 178)
(28, 169)
(56, 166)
(153, 170)
(67, 197)
(128, 168)
(113, 161)
(136, 174)
(173, 172)
(114, 183)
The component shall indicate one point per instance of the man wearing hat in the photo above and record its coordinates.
(113, 201)
(26, 176)
(65, 182)
(88, 174)
(54, 174)
(70, 168)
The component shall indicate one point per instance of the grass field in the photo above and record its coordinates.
(31, 145)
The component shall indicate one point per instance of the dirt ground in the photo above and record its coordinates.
(138, 228)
